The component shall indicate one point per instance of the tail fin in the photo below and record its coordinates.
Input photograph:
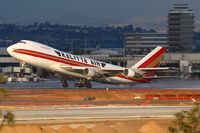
(152, 59)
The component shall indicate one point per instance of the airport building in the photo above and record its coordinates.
(181, 28)
(11, 67)
(189, 63)
(100, 50)
(6, 59)
(143, 43)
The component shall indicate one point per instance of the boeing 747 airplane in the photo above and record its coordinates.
(85, 69)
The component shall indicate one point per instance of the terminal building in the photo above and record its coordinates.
(181, 28)
(6, 59)
(11, 67)
(188, 63)
(143, 43)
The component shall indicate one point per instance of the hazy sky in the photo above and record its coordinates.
(16, 10)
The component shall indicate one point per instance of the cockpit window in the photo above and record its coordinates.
(22, 42)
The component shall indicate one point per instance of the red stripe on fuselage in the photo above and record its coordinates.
(152, 58)
(51, 57)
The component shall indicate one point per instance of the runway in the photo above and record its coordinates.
(114, 112)
(55, 83)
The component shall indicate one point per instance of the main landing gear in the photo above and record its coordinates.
(64, 82)
(83, 83)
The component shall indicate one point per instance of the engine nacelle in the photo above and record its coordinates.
(131, 73)
(89, 72)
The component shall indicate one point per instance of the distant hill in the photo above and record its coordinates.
(80, 19)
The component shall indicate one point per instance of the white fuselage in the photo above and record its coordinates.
(46, 57)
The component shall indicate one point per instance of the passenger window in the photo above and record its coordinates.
(58, 53)
(63, 55)
(67, 55)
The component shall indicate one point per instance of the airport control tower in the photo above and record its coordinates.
(181, 28)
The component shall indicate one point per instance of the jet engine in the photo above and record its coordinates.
(89, 72)
(131, 73)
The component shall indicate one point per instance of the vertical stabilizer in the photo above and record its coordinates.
(151, 60)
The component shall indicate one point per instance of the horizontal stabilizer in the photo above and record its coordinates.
(158, 69)
(162, 77)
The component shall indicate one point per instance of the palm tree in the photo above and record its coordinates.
(173, 130)
(194, 118)
(187, 121)
(9, 118)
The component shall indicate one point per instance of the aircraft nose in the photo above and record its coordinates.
(10, 49)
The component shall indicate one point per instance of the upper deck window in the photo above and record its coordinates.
(22, 42)
(58, 53)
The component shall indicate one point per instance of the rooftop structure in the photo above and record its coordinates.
(143, 43)
(181, 28)
(6, 59)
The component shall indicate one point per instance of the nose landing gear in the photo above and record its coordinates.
(22, 69)
(83, 83)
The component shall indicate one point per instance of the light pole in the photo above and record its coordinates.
(72, 48)
(85, 44)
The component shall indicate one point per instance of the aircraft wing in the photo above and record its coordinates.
(107, 69)
(114, 70)
(102, 71)
(70, 68)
